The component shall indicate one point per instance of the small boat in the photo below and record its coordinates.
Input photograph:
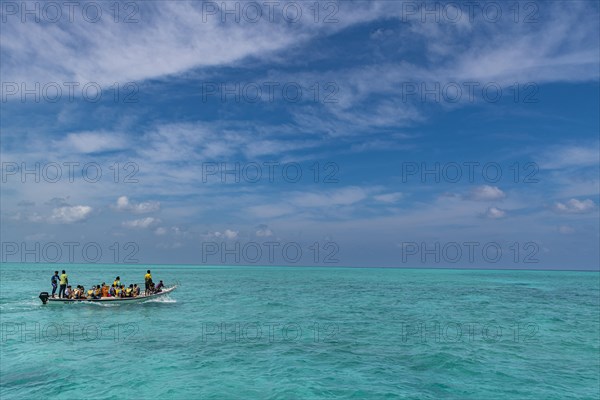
(47, 299)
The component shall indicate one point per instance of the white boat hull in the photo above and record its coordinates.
(141, 298)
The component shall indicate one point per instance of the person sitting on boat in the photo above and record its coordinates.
(136, 290)
(158, 288)
(90, 292)
(104, 290)
(98, 291)
(148, 282)
(81, 294)
(112, 292)
(122, 291)
(68, 292)
(117, 281)
(117, 291)
(54, 281)
(129, 291)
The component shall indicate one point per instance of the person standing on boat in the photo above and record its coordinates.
(148, 282)
(117, 282)
(54, 280)
(64, 280)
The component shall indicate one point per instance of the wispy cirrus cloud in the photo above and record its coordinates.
(332, 198)
(570, 156)
(141, 223)
(92, 142)
(389, 197)
(183, 35)
(486, 193)
(169, 136)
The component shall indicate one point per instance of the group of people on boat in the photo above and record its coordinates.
(117, 289)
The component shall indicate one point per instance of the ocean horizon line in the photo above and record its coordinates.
(312, 266)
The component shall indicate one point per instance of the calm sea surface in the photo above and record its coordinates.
(291, 333)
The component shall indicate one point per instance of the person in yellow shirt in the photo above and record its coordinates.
(129, 291)
(147, 282)
(117, 281)
(64, 281)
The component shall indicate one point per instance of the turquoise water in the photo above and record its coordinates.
(287, 333)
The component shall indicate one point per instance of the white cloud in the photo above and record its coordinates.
(92, 142)
(169, 38)
(271, 210)
(229, 234)
(495, 213)
(124, 204)
(197, 142)
(558, 157)
(226, 234)
(566, 229)
(172, 231)
(34, 217)
(70, 214)
(575, 206)
(381, 33)
(141, 223)
(160, 231)
(345, 196)
(486, 193)
(388, 197)
(264, 231)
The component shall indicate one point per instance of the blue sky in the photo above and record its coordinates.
(387, 90)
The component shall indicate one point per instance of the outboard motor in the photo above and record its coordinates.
(44, 297)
